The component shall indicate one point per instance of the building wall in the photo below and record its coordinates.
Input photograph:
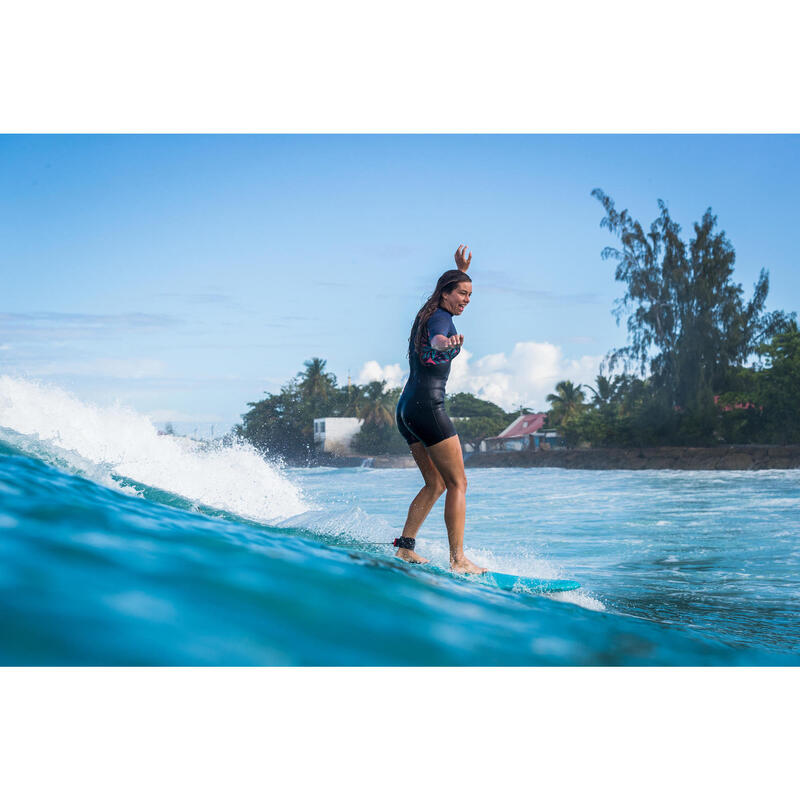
(335, 434)
(547, 440)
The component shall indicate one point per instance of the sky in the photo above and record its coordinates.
(185, 276)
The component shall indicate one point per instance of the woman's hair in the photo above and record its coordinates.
(446, 283)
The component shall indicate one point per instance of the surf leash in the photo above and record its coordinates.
(406, 542)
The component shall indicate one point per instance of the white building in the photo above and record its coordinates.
(335, 434)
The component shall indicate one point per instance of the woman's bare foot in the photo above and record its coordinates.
(464, 565)
(410, 556)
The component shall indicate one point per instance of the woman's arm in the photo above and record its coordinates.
(463, 261)
(440, 342)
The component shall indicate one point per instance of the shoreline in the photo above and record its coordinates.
(727, 457)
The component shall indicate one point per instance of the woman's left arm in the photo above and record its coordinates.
(462, 260)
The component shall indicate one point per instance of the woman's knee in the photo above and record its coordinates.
(456, 483)
(436, 486)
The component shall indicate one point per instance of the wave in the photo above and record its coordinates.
(119, 447)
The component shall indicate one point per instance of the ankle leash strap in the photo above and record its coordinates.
(406, 542)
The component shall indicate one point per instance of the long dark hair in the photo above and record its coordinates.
(446, 283)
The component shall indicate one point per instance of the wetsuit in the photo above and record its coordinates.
(420, 411)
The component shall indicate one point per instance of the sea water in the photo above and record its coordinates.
(120, 546)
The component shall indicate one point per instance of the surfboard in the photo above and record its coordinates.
(540, 585)
(502, 580)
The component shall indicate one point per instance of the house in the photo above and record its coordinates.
(517, 436)
(335, 434)
(547, 440)
(525, 432)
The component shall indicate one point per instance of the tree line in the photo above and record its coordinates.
(703, 365)
(283, 422)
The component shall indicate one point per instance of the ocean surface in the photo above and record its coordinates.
(122, 547)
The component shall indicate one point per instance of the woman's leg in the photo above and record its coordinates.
(449, 461)
(424, 501)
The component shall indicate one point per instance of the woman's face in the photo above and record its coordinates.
(457, 300)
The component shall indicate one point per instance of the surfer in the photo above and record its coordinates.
(421, 418)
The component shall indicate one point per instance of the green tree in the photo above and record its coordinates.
(317, 388)
(279, 424)
(378, 434)
(566, 404)
(476, 419)
(464, 404)
(350, 400)
(378, 405)
(764, 404)
(376, 440)
(474, 430)
(688, 324)
(780, 386)
(599, 424)
(606, 390)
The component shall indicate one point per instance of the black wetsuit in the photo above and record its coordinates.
(420, 411)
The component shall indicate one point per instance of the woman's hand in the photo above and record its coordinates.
(462, 260)
(441, 342)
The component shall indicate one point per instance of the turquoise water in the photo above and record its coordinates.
(118, 546)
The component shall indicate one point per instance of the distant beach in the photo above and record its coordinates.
(730, 457)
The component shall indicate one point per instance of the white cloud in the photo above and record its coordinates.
(373, 371)
(522, 378)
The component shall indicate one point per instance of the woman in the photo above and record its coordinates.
(421, 418)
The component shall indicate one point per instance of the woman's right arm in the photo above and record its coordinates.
(441, 342)
(439, 326)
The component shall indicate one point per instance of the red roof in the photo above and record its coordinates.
(523, 425)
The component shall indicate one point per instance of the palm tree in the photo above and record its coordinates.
(606, 391)
(377, 406)
(316, 386)
(566, 403)
(351, 400)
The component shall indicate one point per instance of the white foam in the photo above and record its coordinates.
(579, 597)
(98, 441)
(352, 521)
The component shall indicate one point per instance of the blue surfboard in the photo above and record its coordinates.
(540, 585)
(502, 580)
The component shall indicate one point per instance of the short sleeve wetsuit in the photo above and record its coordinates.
(420, 411)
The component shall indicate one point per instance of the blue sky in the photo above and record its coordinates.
(187, 275)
